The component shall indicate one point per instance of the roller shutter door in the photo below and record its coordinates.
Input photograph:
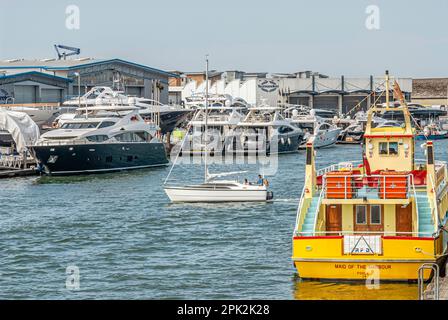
(326, 102)
(50, 95)
(25, 94)
(304, 101)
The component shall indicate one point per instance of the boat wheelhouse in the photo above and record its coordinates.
(380, 218)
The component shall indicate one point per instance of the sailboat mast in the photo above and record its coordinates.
(206, 118)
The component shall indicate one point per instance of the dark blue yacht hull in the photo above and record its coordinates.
(100, 157)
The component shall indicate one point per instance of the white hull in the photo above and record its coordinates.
(326, 139)
(39, 115)
(184, 194)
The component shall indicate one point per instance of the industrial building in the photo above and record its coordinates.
(52, 80)
(308, 88)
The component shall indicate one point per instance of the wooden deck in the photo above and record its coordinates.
(6, 173)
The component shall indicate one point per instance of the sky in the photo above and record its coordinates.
(331, 37)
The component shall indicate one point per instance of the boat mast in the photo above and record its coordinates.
(206, 118)
(387, 90)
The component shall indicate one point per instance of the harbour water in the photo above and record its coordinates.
(129, 242)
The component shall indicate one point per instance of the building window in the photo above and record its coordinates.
(361, 215)
(375, 214)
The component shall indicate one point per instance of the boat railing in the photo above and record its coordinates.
(299, 209)
(316, 214)
(338, 166)
(381, 186)
(434, 206)
(11, 161)
(363, 233)
(70, 142)
(416, 203)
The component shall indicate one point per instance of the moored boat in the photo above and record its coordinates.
(101, 143)
(376, 219)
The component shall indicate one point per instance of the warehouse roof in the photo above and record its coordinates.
(34, 73)
(71, 64)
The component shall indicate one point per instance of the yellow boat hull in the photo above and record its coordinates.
(323, 258)
(366, 271)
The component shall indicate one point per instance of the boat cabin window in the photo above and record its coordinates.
(80, 125)
(132, 137)
(375, 214)
(361, 214)
(98, 138)
(388, 148)
(106, 124)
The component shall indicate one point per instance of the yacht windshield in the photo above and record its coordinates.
(80, 125)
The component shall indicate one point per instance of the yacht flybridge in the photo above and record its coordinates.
(103, 139)
(213, 189)
(170, 116)
(380, 218)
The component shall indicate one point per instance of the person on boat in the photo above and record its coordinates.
(260, 180)
(266, 183)
(246, 182)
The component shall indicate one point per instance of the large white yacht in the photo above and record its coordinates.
(170, 116)
(101, 140)
(220, 122)
(264, 130)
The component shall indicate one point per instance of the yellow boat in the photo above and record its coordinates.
(377, 219)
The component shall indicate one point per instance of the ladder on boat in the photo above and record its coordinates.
(432, 290)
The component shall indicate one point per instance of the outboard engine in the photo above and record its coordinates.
(270, 195)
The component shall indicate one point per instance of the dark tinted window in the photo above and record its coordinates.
(106, 124)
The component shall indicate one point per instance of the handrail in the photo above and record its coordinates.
(434, 267)
(299, 209)
(319, 201)
(349, 232)
(434, 209)
(336, 166)
(380, 180)
(416, 202)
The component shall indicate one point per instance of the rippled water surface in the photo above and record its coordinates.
(129, 242)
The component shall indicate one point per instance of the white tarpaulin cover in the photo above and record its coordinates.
(22, 128)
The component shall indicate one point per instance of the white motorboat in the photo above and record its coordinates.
(325, 134)
(213, 190)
